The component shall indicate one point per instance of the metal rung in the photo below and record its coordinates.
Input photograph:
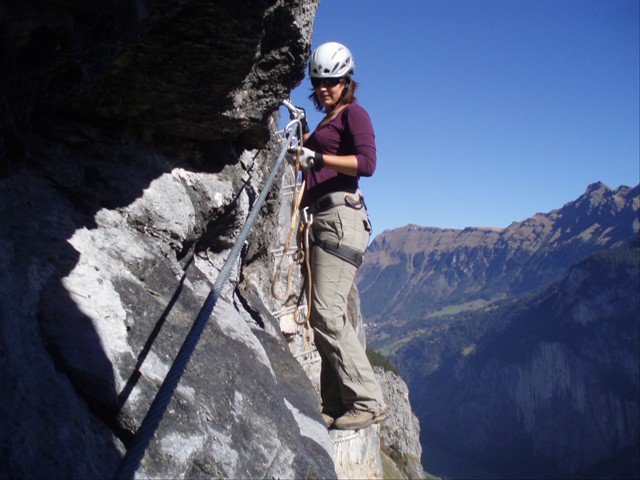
(289, 190)
(280, 134)
(311, 361)
(283, 312)
(287, 310)
(278, 251)
(306, 352)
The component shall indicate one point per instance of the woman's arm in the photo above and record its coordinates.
(346, 164)
(358, 126)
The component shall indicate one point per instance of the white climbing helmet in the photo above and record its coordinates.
(331, 60)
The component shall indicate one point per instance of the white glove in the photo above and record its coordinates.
(302, 114)
(308, 158)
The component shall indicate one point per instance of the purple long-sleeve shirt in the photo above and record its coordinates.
(350, 133)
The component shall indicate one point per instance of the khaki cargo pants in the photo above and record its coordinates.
(347, 380)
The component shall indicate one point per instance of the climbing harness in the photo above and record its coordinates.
(348, 254)
(344, 252)
(302, 254)
(131, 460)
(336, 199)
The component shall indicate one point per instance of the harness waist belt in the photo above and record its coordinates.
(348, 254)
(335, 199)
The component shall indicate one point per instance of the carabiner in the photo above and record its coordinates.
(307, 218)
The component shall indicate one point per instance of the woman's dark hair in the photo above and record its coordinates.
(348, 94)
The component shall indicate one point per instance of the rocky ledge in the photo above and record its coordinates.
(134, 140)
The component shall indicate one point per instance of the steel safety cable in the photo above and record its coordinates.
(131, 460)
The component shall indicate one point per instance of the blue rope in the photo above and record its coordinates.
(130, 462)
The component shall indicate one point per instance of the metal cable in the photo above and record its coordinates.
(130, 462)
(347, 438)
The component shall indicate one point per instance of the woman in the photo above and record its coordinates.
(339, 151)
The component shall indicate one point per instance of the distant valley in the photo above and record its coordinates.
(519, 345)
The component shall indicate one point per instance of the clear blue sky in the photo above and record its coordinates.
(488, 111)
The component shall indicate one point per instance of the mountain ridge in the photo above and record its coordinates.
(519, 345)
(595, 189)
(448, 266)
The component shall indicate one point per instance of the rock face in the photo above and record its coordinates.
(401, 432)
(187, 69)
(135, 138)
(129, 158)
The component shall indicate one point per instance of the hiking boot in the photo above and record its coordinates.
(379, 418)
(328, 419)
(353, 420)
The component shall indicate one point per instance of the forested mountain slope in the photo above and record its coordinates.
(543, 386)
(520, 345)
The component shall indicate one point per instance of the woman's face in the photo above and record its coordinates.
(328, 91)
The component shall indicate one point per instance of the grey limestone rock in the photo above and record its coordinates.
(127, 172)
